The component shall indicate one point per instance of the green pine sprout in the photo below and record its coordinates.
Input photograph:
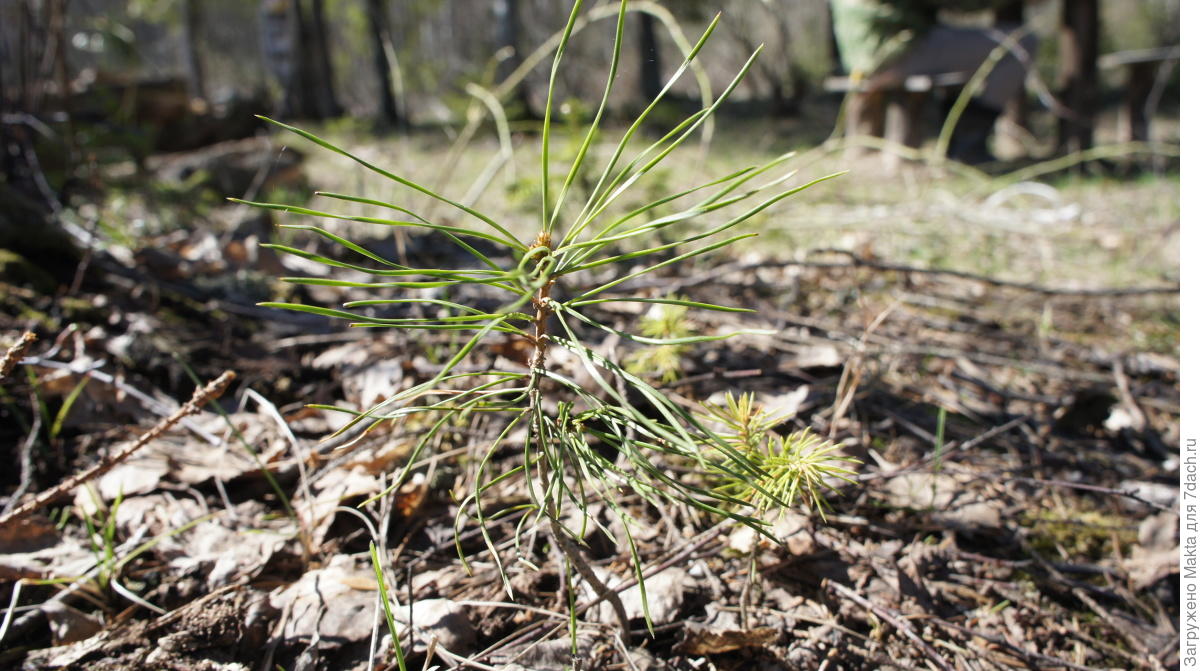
(792, 466)
(664, 321)
(741, 422)
(615, 412)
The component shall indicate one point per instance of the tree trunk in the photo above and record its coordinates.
(192, 64)
(835, 56)
(297, 53)
(1079, 44)
(301, 85)
(58, 31)
(507, 30)
(275, 36)
(4, 62)
(327, 103)
(788, 87)
(1016, 111)
(379, 27)
(8, 166)
(649, 73)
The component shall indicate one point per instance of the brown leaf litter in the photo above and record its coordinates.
(1014, 506)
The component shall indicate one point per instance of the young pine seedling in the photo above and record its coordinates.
(664, 321)
(584, 440)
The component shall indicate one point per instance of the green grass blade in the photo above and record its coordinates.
(387, 607)
(69, 402)
(284, 499)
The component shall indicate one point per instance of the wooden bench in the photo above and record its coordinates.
(1142, 70)
(893, 113)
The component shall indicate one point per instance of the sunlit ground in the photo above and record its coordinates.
(1070, 230)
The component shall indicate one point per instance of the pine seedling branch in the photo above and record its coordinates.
(575, 423)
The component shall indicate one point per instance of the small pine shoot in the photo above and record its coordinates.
(664, 321)
(791, 466)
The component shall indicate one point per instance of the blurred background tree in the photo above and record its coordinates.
(162, 75)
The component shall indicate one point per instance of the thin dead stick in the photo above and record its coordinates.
(891, 619)
(679, 556)
(1143, 657)
(856, 260)
(1139, 417)
(721, 274)
(25, 463)
(93, 371)
(853, 370)
(1096, 488)
(603, 591)
(543, 630)
(950, 447)
(14, 353)
(1048, 660)
(198, 401)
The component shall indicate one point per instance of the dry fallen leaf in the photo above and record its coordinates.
(326, 603)
(698, 640)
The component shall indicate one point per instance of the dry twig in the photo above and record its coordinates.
(14, 353)
(889, 617)
(1120, 623)
(198, 401)
(1045, 660)
(1097, 489)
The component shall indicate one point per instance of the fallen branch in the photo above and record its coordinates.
(952, 446)
(998, 641)
(887, 616)
(14, 353)
(856, 261)
(1124, 626)
(198, 401)
(1096, 488)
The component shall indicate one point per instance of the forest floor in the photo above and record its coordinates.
(1001, 358)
